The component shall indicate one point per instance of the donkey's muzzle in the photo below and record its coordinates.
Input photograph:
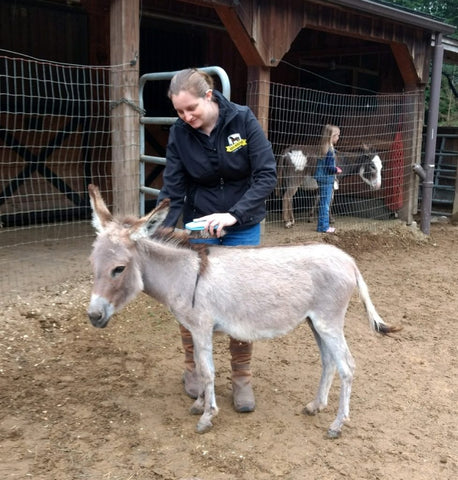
(97, 319)
(99, 311)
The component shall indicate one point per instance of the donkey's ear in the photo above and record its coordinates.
(147, 225)
(101, 216)
(157, 216)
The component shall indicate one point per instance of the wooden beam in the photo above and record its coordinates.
(124, 41)
(405, 64)
(262, 31)
(239, 35)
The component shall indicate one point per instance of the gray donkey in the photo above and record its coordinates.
(250, 293)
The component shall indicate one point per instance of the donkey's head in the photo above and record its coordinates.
(114, 258)
(370, 168)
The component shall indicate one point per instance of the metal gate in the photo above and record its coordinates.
(144, 159)
(445, 181)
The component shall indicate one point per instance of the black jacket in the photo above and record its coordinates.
(233, 170)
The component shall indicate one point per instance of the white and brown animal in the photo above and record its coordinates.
(297, 164)
(250, 293)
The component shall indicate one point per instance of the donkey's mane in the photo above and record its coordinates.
(180, 239)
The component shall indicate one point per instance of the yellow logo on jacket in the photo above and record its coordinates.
(235, 142)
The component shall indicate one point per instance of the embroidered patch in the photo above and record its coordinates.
(235, 142)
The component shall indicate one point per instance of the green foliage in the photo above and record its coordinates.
(445, 10)
(448, 102)
(448, 106)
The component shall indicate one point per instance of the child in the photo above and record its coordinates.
(326, 170)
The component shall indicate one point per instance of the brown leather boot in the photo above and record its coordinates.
(191, 385)
(242, 391)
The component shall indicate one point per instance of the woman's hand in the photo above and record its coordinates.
(216, 223)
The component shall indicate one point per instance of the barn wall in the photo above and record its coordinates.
(57, 33)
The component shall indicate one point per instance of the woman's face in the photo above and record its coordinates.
(193, 110)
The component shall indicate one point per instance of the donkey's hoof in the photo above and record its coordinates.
(308, 411)
(312, 408)
(334, 433)
(196, 409)
(289, 224)
(202, 427)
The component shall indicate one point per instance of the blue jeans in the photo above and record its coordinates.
(247, 236)
(324, 205)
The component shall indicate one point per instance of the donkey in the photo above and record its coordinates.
(250, 293)
(296, 168)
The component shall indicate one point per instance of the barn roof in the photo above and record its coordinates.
(387, 11)
(399, 14)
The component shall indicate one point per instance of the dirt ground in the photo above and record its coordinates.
(81, 403)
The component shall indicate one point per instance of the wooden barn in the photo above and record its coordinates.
(342, 46)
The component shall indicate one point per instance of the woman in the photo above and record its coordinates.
(325, 173)
(220, 169)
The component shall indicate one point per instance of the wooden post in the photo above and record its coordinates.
(258, 98)
(124, 42)
(413, 117)
(258, 101)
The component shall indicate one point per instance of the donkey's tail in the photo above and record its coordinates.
(375, 321)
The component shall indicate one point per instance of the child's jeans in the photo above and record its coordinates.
(325, 192)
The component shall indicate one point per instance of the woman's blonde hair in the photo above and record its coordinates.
(191, 80)
(328, 132)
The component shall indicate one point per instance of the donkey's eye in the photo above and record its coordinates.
(117, 271)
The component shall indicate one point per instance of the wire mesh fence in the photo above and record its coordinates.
(57, 123)
(387, 126)
(56, 127)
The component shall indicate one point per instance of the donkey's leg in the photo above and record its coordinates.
(205, 403)
(346, 367)
(333, 341)
(328, 368)
(313, 212)
(287, 210)
(288, 216)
